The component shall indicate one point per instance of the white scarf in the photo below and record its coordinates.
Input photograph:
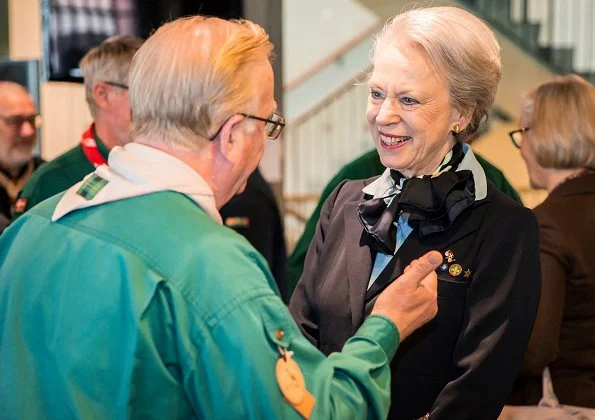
(136, 170)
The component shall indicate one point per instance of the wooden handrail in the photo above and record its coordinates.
(300, 217)
(300, 197)
(331, 58)
(333, 95)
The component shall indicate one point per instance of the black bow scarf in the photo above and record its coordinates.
(433, 204)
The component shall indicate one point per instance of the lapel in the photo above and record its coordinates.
(359, 262)
(413, 247)
(410, 250)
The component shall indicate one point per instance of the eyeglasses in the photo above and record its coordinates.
(16, 121)
(116, 84)
(517, 136)
(272, 127)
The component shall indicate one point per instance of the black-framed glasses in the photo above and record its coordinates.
(16, 121)
(116, 84)
(517, 136)
(272, 128)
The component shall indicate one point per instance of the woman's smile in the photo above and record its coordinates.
(409, 111)
(391, 141)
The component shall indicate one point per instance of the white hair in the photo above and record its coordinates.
(461, 47)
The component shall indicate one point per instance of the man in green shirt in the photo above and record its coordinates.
(364, 167)
(105, 70)
(126, 297)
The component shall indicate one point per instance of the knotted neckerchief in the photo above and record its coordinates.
(432, 201)
(90, 149)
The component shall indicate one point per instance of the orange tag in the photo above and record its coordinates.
(237, 222)
(293, 386)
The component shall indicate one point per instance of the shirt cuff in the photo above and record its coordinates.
(382, 330)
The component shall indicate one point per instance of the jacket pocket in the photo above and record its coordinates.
(452, 288)
(428, 351)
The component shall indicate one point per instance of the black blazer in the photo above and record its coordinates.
(460, 365)
(255, 215)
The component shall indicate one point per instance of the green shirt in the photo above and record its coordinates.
(58, 175)
(147, 308)
(364, 167)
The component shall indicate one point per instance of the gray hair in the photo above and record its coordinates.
(109, 61)
(462, 48)
(192, 74)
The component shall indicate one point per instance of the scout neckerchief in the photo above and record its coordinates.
(433, 203)
(13, 186)
(90, 149)
(131, 173)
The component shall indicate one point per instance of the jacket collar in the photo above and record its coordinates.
(359, 257)
(384, 185)
(582, 184)
(136, 170)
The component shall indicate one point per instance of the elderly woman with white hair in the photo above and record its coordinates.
(436, 72)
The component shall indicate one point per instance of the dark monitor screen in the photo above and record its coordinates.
(73, 27)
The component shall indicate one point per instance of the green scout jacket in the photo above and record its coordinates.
(56, 176)
(147, 308)
(364, 167)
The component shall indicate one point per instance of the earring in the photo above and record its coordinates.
(457, 128)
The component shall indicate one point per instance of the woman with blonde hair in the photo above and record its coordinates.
(436, 72)
(557, 142)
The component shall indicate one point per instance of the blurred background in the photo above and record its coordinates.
(322, 61)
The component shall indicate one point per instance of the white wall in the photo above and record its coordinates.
(313, 29)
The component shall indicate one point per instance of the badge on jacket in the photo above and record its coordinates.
(453, 268)
(292, 384)
(237, 222)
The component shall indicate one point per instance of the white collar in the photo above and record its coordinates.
(136, 170)
(384, 185)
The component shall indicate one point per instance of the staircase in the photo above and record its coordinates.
(559, 33)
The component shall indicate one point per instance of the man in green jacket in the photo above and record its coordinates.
(364, 167)
(126, 297)
(105, 70)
